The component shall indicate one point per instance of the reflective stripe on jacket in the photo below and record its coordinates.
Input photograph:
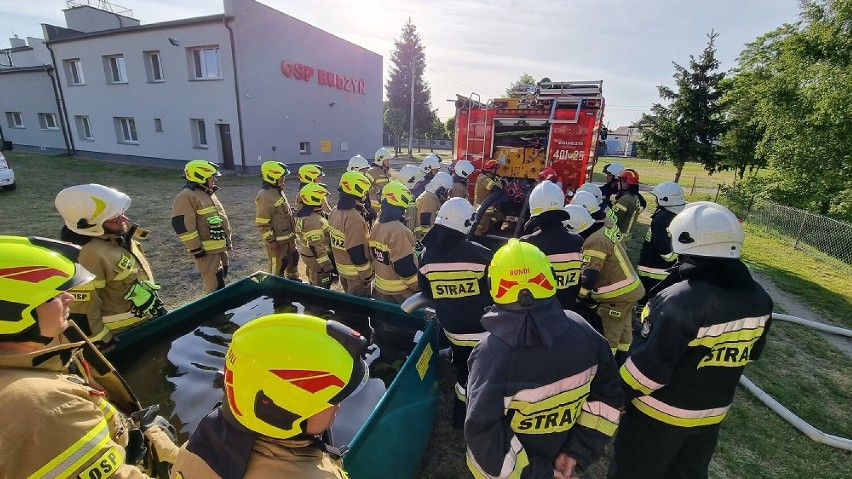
(378, 177)
(389, 243)
(616, 276)
(626, 210)
(428, 205)
(657, 256)
(313, 237)
(274, 217)
(193, 214)
(348, 229)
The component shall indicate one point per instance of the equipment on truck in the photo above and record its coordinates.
(552, 126)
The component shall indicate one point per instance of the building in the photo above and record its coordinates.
(239, 88)
(622, 141)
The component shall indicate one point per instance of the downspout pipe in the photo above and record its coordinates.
(237, 93)
(60, 104)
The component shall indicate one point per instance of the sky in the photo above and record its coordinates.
(483, 45)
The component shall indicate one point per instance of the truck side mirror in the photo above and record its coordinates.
(604, 132)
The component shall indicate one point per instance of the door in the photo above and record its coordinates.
(225, 146)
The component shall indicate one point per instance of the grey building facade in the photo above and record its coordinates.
(246, 86)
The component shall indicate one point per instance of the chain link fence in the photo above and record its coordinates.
(806, 231)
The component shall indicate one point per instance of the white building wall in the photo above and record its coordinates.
(282, 112)
(29, 93)
(174, 102)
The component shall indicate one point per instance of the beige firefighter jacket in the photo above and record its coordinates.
(313, 236)
(428, 205)
(274, 217)
(626, 211)
(270, 458)
(200, 221)
(617, 280)
(389, 243)
(378, 177)
(348, 229)
(102, 301)
(459, 190)
(60, 424)
(482, 189)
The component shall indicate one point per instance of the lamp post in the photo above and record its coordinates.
(411, 112)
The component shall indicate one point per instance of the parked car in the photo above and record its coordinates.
(7, 176)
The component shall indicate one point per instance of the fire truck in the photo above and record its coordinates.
(550, 125)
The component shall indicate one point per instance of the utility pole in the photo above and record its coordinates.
(411, 113)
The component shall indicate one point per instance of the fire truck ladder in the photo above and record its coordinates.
(569, 93)
(484, 124)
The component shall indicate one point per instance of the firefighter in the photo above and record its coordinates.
(454, 273)
(358, 164)
(543, 393)
(379, 176)
(275, 220)
(309, 174)
(429, 202)
(608, 216)
(610, 186)
(409, 175)
(65, 410)
(627, 204)
(486, 184)
(461, 171)
(657, 257)
(563, 249)
(202, 225)
(392, 247)
(123, 294)
(609, 284)
(697, 337)
(599, 212)
(430, 167)
(271, 421)
(312, 230)
(347, 230)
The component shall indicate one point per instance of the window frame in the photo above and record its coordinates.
(45, 124)
(199, 133)
(74, 67)
(15, 119)
(120, 68)
(154, 71)
(130, 130)
(84, 128)
(199, 69)
(304, 147)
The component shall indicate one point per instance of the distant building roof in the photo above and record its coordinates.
(60, 34)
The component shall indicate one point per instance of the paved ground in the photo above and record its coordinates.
(794, 307)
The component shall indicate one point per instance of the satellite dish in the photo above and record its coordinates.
(174, 42)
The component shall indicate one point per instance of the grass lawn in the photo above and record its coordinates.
(799, 368)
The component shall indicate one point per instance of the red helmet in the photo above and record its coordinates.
(491, 166)
(631, 177)
(547, 174)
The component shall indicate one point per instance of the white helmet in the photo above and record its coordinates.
(431, 162)
(586, 200)
(579, 219)
(669, 193)
(409, 175)
(593, 189)
(357, 163)
(457, 214)
(707, 229)
(85, 207)
(442, 179)
(546, 196)
(614, 169)
(463, 168)
(382, 155)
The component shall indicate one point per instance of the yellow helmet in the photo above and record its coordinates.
(282, 369)
(395, 193)
(199, 171)
(519, 273)
(354, 183)
(272, 171)
(32, 271)
(312, 194)
(310, 173)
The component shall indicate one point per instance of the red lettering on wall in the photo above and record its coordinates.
(304, 72)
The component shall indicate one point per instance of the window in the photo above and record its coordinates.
(6, 59)
(84, 128)
(74, 72)
(153, 67)
(199, 133)
(205, 63)
(116, 72)
(126, 130)
(305, 147)
(158, 125)
(47, 121)
(13, 118)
